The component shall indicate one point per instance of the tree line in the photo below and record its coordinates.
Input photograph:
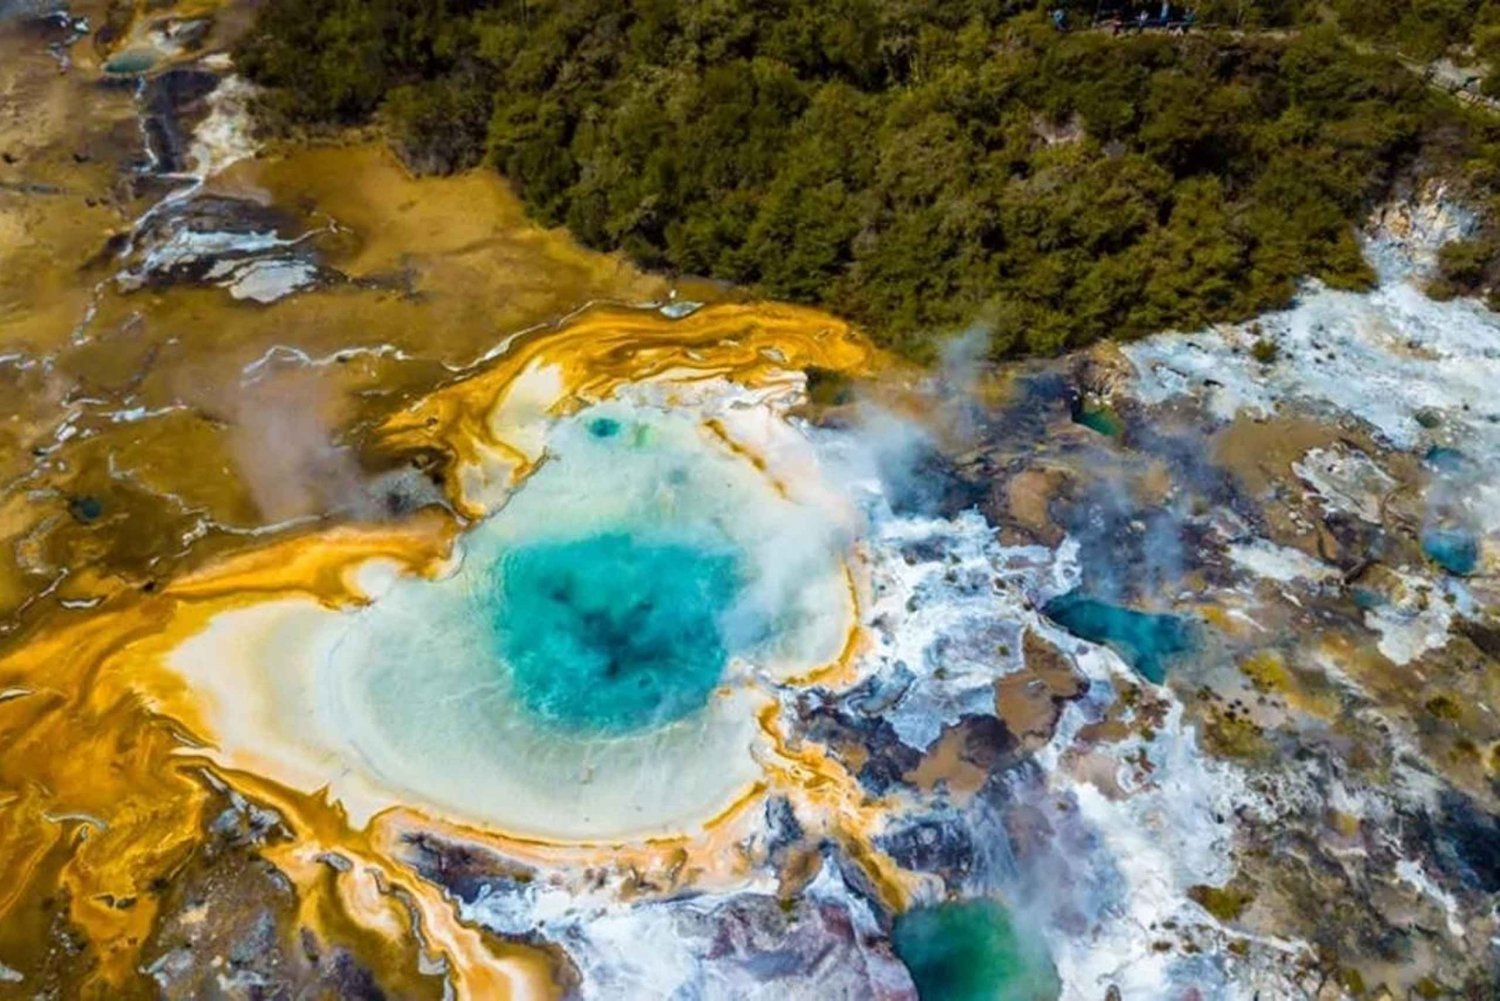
(918, 167)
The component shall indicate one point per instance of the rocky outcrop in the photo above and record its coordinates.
(1407, 232)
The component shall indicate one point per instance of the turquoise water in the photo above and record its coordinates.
(1454, 550)
(1145, 640)
(604, 427)
(131, 61)
(971, 951)
(611, 633)
(1102, 419)
(1446, 460)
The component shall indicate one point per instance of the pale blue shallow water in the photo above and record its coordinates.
(611, 633)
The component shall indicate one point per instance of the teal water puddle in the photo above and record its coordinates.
(1455, 550)
(1445, 459)
(1147, 641)
(131, 61)
(611, 633)
(972, 951)
(604, 427)
(1098, 417)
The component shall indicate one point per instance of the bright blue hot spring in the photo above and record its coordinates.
(1145, 640)
(612, 633)
(1454, 550)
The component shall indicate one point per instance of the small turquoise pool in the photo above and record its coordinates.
(1147, 641)
(972, 951)
(604, 427)
(1455, 550)
(611, 633)
(1099, 417)
(1446, 460)
(131, 61)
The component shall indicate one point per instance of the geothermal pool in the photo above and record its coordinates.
(614, 626)
(1148, 642)
(973, 951)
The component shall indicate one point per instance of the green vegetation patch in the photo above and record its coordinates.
(828, 388)
(916, 167)
(1267, 672)
(1225, 903)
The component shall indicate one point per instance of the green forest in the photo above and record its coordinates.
(922, 167)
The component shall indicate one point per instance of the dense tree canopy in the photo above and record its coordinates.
(918, 166)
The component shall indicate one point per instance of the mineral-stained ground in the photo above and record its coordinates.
(397, 600)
